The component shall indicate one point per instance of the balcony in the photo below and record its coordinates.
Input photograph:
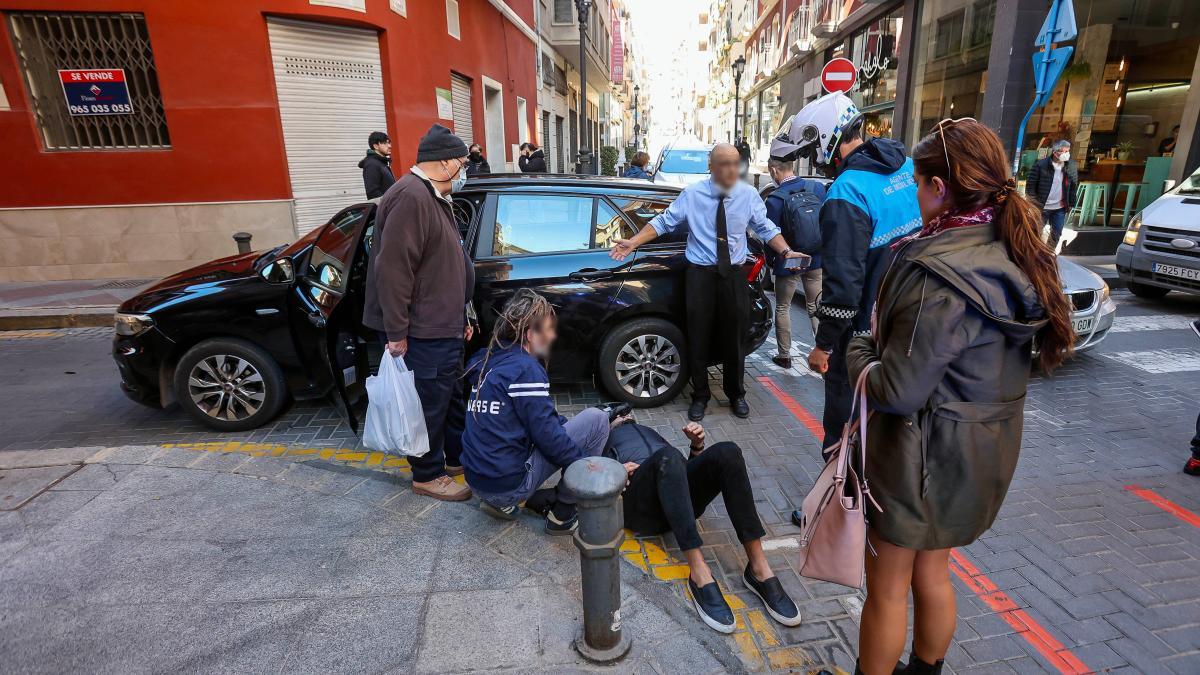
(565, 39)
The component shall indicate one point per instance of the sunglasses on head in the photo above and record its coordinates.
(942, 134)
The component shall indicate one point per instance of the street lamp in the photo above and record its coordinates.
(739, 67)
(636, 127)
(584, 7)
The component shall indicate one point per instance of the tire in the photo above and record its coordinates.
(661, 342)
(1148, 292)
(223, 366)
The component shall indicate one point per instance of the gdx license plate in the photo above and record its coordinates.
(1177, 271)
(1082, 325)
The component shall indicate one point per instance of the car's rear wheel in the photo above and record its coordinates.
(642, 362)
(1148, 292)
(229, 384)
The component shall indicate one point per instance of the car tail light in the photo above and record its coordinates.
(756, 267)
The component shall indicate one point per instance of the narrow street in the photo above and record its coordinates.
(1092, 561)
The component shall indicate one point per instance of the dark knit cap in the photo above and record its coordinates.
(439, 143)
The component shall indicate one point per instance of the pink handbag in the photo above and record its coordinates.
(833, 538)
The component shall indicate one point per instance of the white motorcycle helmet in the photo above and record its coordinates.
(816, 131)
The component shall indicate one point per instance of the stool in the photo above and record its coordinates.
(1131, 194)
(1090, 199)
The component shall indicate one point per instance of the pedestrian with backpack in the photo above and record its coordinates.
(795, 206)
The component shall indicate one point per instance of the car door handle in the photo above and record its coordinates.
(591, 275)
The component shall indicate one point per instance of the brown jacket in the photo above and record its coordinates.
(955, 326)
(419, 279)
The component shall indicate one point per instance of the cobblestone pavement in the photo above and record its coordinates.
(1091, 565)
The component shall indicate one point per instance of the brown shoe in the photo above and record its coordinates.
(443, 488)
(454, 470)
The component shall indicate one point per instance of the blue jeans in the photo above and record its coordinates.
(1056, 218)
(589, 430)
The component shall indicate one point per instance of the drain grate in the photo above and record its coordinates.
(124, 283)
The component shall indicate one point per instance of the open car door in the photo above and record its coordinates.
(332, 288)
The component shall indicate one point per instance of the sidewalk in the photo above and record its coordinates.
(140, 558)
(63, 304)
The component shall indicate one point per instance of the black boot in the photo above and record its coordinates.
(918, 667)
(898, 670)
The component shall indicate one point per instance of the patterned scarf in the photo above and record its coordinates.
(949, 220)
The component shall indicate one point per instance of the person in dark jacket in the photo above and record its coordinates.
(668, 493)
(514, 439)
(377, 165)
(786, 280)
(1052, 185)
(419, 281)
(532, 159)
(637, 166)
(477, 164)
(956, 318)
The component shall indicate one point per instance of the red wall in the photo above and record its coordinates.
(215, 74)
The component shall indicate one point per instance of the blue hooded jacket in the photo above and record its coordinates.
(636, 172)
(872, 203)
(509, 415)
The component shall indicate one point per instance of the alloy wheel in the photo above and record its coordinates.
(648, 365)
(226, 387)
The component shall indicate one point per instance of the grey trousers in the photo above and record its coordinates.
(589, 429)
(785, 289)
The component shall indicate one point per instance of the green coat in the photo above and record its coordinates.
(955, 325)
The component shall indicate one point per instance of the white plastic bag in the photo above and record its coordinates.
(395, 421)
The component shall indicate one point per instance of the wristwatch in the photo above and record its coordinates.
(785, 253)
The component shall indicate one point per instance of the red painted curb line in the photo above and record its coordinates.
(1165, 504)
(811, 423)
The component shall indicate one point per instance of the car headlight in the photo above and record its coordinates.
(1104, 293)
(129, 325)
(1135, 226)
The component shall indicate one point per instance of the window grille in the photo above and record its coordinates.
(48, 42)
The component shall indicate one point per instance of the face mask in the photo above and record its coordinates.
(1063, 156)
(459, 182)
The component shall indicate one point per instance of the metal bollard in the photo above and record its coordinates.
(243, 241)
(597, 483)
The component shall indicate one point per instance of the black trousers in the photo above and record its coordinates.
(718, 311)
(839, 394)
(668, 492)
(437, 366)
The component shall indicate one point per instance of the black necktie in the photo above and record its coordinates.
(724, 267)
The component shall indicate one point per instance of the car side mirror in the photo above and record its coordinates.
(279, 271)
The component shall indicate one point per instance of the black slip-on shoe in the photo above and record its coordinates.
(711, 607)
(798, 518)
(774, 598)
(560, 528)
(501, 512)
(696, 410)
(740, 408)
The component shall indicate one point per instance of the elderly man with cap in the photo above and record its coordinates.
(419, 281)
(718, 212)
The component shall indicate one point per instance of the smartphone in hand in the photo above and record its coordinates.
(797, 264)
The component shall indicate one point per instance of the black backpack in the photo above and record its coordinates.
(801, 226)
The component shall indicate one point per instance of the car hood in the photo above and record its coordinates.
(1175, 210)
(193, 282)
(679, 178)
(1076, 277)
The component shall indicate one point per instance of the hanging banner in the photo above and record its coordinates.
(96, 91)
(617, 55)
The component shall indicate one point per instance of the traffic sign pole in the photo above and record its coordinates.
(1048, 65)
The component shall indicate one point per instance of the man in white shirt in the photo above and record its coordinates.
(1052, 185)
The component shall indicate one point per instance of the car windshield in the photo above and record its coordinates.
(685, 161)
(1191, 184)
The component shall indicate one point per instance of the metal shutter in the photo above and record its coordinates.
(558, 143)
(460, 98)
(548, 142)
(330, 87)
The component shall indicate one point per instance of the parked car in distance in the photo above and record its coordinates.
(682, 162)
(232, 340)
(1161, 249)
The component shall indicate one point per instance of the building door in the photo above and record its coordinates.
(460, 101)
(558, 143)
(329, 82)
(548, 142)
(493, 122)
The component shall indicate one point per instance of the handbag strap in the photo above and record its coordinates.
(860, 396)
(858, 405)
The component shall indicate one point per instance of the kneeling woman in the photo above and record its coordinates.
(957, 315)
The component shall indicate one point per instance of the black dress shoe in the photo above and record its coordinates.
(696, 411)
(782, 361)
(740, 408)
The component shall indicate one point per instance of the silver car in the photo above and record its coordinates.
(1161, 249)
(682, 162)
(1092, 310)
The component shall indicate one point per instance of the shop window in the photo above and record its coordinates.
(113, 47)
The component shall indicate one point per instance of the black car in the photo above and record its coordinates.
(232, 340)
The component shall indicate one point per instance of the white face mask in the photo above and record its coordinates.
(459, 181)
(1063, 156)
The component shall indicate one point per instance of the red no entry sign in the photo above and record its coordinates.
(838, 75)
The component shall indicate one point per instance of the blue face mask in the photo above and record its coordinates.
(459, 182)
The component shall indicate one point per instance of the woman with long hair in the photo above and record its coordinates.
(959, 311)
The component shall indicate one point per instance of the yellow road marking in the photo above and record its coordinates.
(788, 658)
(25, 335)
(759, 624)
(749, 651)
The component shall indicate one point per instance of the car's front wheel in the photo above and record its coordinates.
(1148, 292)
(229, 384)
(642, 362)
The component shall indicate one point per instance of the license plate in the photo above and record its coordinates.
(1082, 325)
(1177, 271)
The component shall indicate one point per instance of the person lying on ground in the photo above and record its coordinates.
(668, 493)
(513, 438)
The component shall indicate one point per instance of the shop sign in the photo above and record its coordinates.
(838, 75)
(445, 103)
(96, 91)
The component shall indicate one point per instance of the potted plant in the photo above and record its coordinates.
(1124, 150)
